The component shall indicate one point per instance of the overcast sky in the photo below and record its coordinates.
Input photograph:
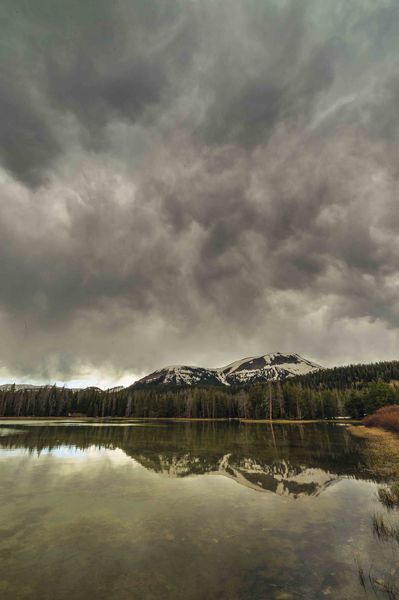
(194, 181)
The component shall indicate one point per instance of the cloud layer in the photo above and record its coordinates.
(193, 181)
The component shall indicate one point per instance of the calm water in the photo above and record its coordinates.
(188, 511)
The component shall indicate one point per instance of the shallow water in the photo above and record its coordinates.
(181, 511)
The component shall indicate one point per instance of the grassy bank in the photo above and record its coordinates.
(381, 450)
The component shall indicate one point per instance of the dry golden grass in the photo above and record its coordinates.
(386, 417)
(381, 450)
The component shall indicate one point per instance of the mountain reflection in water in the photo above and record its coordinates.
(292, 460)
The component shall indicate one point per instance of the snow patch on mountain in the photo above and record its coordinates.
(8, 387)
(269, 367)
(183, 375)
(255, 369)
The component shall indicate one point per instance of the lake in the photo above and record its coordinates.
(189, 510)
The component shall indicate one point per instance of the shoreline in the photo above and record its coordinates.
(375, 434)
(186, 420)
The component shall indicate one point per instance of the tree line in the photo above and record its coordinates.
(352, 391)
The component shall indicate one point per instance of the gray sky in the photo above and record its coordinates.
(196, 181)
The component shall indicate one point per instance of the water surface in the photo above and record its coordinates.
(161, 510)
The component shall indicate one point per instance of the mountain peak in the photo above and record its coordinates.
(254, 369)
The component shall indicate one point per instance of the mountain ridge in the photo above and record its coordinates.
(254, 369)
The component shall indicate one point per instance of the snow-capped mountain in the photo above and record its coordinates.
(182, 375)
(269, 367)
(8, 387)
(255, 369)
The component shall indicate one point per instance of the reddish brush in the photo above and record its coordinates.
(386, 417)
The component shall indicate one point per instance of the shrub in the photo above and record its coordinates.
(386, 417)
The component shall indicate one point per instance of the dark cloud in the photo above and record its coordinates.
(192, 181)
(28, 143)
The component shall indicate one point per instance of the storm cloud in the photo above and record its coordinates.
(195, 181)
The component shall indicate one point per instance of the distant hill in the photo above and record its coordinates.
(352, 375)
